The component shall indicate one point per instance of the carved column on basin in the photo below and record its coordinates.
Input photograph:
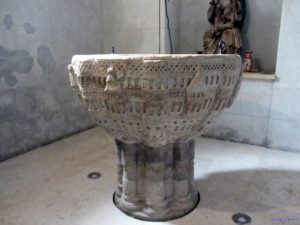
(155, 106)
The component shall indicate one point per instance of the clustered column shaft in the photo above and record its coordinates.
(156, 183)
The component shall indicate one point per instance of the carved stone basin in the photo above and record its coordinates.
(155, 106)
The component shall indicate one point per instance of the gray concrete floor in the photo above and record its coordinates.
(49, 186)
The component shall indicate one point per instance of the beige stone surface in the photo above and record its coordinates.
(49, 185)
(259, 76)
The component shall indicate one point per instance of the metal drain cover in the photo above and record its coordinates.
(94, 175)
(241, 218)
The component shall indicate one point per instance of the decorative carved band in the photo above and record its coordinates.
(152, 92)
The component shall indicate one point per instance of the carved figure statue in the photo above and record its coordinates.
(226, 16)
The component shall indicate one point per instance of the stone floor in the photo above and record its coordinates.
(49, 186)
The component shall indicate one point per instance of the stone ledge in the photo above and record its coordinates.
(259, 76)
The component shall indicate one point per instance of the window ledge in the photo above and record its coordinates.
(259, 76)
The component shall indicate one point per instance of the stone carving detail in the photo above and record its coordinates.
(227, 17)
(154, 105)
(156, 100)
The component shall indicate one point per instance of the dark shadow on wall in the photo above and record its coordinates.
(245, 29)
(36, 114)
(40, 118)
(249, 123)
(45, 59)
(260, 33)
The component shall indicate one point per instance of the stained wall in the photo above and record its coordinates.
(37, 41)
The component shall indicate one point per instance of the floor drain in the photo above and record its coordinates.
(241, 218)
(94, 175)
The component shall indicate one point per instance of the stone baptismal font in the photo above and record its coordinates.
(155, 106)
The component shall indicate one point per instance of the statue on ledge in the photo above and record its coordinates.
(226, 16)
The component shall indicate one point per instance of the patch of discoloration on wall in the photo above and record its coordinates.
(45, 59)
(36, 115)
(18, 61)
(228, 134)
(8, 22)
(29, 28)
(9, 80)
(35, 108)
(40, 117)
(246, 141)
(266, 143)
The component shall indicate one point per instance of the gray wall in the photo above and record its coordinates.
(135, 26)
(173, 12)
(131, 25)
(267, 113)
(38, 39)
(260, 31)
(284, 131)
(247, 120)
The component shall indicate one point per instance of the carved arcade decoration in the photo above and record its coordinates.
(156, 100)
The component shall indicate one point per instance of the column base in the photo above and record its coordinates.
(156, 184)
(146, 217)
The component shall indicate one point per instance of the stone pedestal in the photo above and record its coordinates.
(156, 184)
(155, 105)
